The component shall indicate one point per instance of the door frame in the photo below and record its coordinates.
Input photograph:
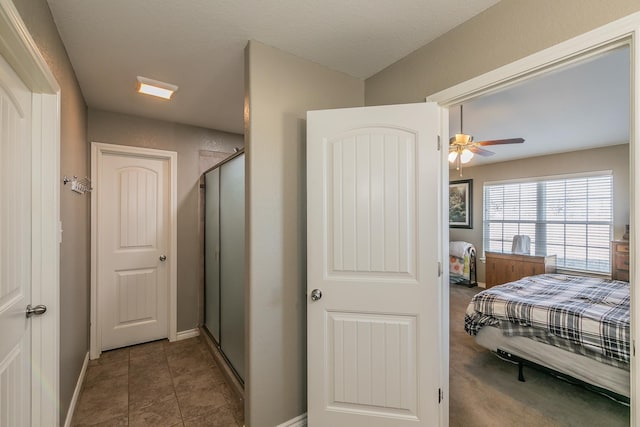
(98, 149)
(21, 52)
(624, 31)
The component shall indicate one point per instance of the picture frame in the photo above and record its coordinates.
(461, 203)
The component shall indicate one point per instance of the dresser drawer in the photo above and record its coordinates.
(622, 261)
(621, 247)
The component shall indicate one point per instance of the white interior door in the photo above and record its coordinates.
(133, 248)
(375, 233)
(15, 249)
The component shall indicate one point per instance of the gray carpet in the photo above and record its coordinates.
(485, 391)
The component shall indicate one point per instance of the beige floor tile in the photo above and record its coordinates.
(159, 413)
(220, 417)
(97, 373)
(146, 360)
(110, 356)
(157, 384)
(201, 399)
(146, 348)
(115, 422)
(102, 401)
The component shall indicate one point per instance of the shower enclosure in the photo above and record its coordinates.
(224, 259)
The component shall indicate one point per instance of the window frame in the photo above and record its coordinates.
(537, 222)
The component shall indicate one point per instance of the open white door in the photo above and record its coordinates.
(375, 235)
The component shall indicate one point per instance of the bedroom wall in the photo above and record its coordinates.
(280, 88)
(196, 147)
(505, 32)
(74, 208)
(615, 158)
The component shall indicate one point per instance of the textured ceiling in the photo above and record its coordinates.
(581, 106)
(198, 45)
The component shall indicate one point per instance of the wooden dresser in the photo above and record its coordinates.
(505, 267)
(620, 260)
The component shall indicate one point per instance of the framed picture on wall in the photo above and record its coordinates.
(461, 204)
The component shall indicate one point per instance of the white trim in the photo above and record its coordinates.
(299, 421)
(622, 31)
(543, 178)
(76, 393)
(97, 150)
(189, 333)
(20, 51)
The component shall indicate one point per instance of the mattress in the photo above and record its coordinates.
(575, 365)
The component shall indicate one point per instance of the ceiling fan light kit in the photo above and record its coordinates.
(462, 148)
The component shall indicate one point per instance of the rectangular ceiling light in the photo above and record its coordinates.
(156, 88)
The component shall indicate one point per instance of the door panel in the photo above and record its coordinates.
(375, 232)
(133, 227)
(15, 248)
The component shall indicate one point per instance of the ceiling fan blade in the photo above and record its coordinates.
(481, 151)
(501, 141)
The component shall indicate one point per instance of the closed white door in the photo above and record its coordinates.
(375, 233)
(15, 249)
(133, 226)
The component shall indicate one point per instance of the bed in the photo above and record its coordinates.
(462, 263)
(576, 326)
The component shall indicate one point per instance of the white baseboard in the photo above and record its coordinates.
(191, 333)
(300, 421)
(482, 285)
(76, 392)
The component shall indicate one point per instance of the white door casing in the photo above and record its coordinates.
(375, 237)
(37, 230)
(134, 220)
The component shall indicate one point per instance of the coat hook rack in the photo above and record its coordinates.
(80, 186)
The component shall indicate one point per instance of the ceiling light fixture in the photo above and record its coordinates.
(155, 88)
(460, 155)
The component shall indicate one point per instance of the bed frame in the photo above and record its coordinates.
(574, 368)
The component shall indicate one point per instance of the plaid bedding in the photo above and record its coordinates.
(592, 314)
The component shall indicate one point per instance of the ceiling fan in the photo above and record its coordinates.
(462, 148)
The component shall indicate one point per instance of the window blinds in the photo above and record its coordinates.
(571, 218)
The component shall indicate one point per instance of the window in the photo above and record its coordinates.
(570, 217)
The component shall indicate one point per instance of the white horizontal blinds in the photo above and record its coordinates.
(509, 209)
(571, 218)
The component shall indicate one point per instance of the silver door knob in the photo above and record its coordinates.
(316, 294)
(38, 310)
(163, 258)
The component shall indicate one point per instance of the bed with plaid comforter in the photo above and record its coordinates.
(586, 315)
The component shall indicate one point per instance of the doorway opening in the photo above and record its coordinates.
(605, 149)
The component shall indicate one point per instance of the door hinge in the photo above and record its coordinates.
(633, 347)
(440, 395)
(439, 144)
(439, 269)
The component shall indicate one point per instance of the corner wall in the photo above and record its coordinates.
(614, 158)
(193, 144)
(507, 31)
(74, 208)
(280, 89)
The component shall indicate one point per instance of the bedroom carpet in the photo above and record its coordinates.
(485, 391)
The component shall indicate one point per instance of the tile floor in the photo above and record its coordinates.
(157, 384)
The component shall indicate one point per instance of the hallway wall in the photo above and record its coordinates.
(190, 142)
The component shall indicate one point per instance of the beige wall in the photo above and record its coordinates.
(74, 208)
(280, 89)
(615, 158)
(189, 142)
(510, 30)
